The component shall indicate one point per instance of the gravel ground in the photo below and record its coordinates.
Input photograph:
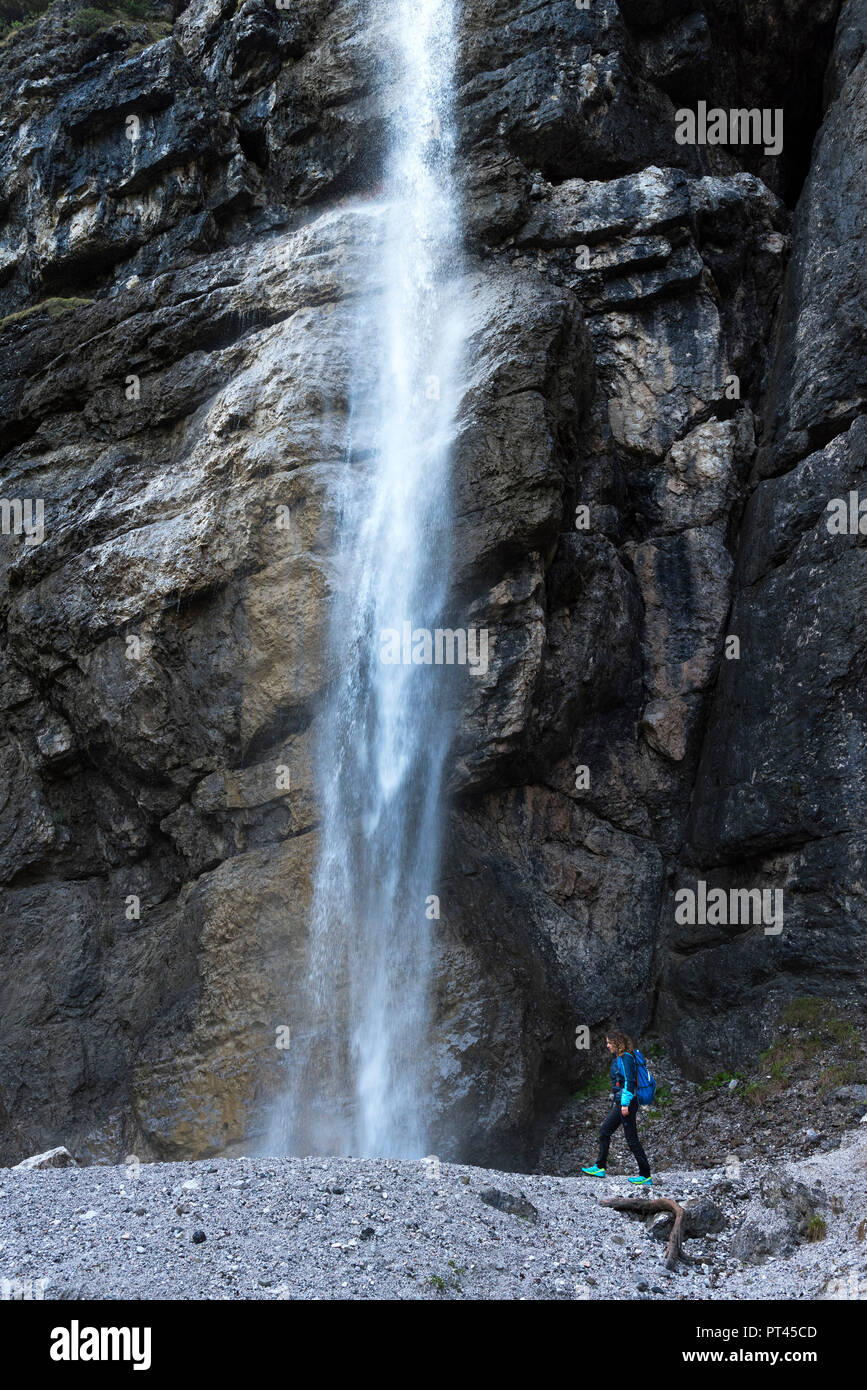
(386, 1229)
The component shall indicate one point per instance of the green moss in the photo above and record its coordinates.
(55, 308)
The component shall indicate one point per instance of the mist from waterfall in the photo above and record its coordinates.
(359, 1079)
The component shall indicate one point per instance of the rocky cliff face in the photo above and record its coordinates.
(670, 336)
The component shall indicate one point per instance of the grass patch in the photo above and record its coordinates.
(138, 9)
(843, 1034)
(55, 308)
(14, 26)
(722, 1078)
(816, 1229)
(817, 1028)
(599, 1086)
(805, 1012)
(154, 16)
(843, 1074)
(759, 1092)
(822, 1024)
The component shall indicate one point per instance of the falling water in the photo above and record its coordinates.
(359, 1080)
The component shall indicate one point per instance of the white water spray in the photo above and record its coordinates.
(359, 1077)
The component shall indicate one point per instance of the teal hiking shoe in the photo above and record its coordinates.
(594, 1172)
(641, 1182)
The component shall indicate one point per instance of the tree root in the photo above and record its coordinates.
(674, 1251)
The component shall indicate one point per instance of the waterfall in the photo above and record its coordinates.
(359, 1075)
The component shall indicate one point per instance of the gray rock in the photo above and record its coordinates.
(52, 1158)
(818, 384)
(763, 1232)
(704, 1217)
(858, 1094)
(507, 1202)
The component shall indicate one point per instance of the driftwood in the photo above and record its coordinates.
(674, 1250)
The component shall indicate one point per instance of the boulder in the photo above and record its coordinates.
(52, 1158)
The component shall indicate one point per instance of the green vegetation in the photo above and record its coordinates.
(844, 1074)
(55, 308)
(150, 13)
(817, 1015)
(597, 1087)
(816, 1229)
(16, 15)
(17, 12)
(804, 1012)
(811, 1026)
(89, 21)
(450, 1281)
(722, 1078)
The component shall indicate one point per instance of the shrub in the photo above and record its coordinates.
(89, 21)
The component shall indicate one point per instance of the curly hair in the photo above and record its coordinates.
(621, 1040)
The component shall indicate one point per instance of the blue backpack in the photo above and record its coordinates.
(645, 1085)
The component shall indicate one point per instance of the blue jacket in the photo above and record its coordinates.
(624, 1078)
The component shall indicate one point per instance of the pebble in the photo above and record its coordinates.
(265, 1244)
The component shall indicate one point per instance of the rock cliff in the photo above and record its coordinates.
(665, 390)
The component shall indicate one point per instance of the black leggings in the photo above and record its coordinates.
(610, 1124)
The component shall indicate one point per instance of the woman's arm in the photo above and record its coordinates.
(630, 1078)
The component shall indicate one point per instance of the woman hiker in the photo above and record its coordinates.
(624, 1083)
